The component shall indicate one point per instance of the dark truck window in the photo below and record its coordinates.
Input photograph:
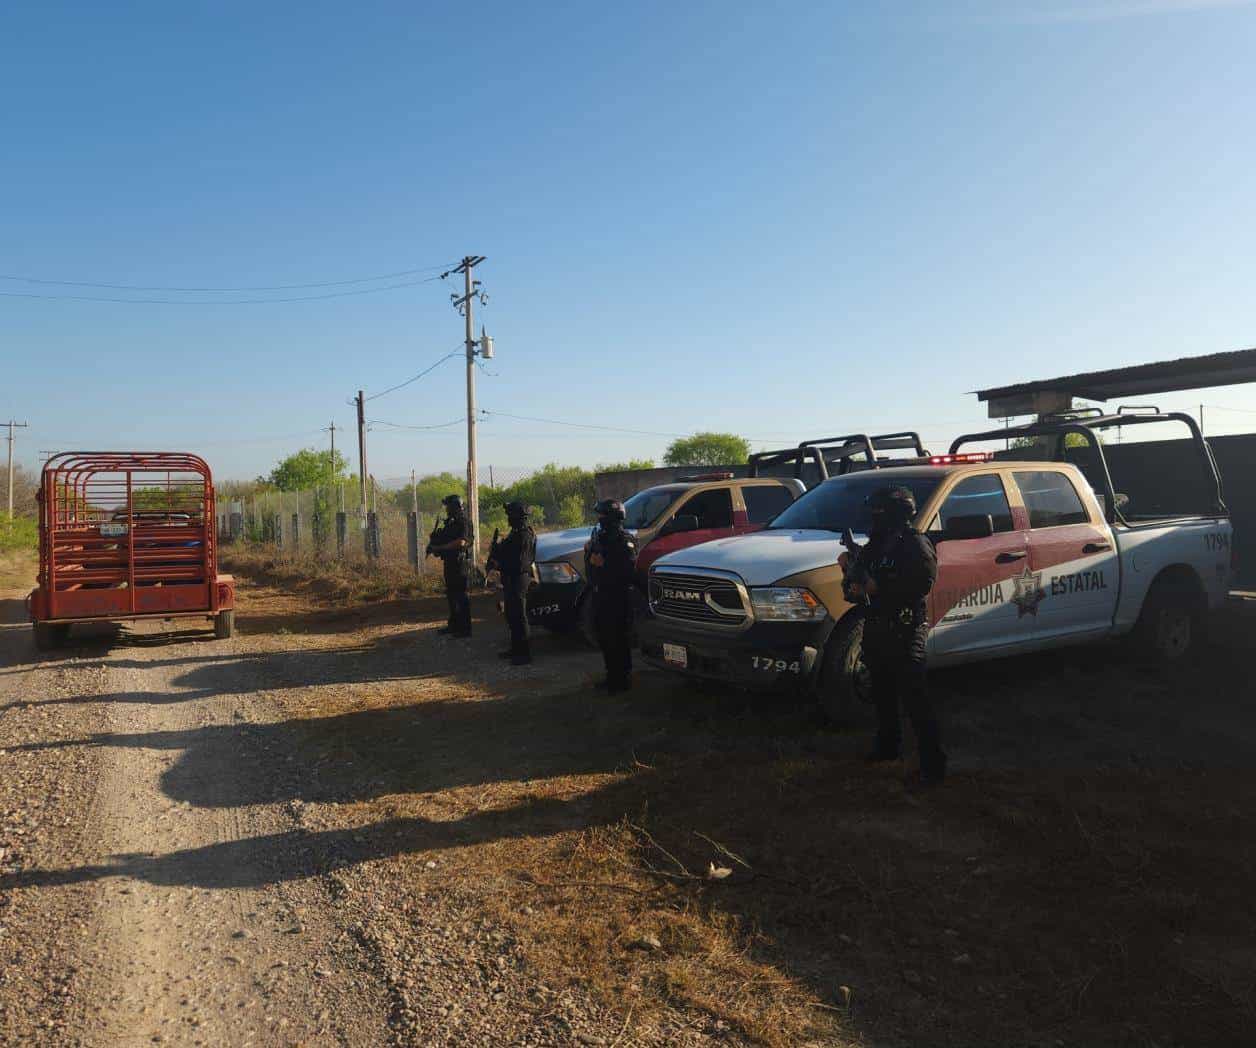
(645, 507)
(1051, 499)
(840, 503)
(765, 501)
(977, 496)
(713, 508)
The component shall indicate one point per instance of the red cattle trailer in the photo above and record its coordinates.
(126, 536)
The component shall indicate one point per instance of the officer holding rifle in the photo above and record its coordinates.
(892, 573)
(610, 562)
(512, 558)
(449, 541)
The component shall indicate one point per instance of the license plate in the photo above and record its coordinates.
(112, 531)
(676, 655)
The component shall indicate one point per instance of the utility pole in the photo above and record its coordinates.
(332, 430)
(466, 306)
(20, 425)
(361, 403)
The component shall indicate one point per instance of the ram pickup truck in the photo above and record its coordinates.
(1033, 553)
(670, 517)
(664, 518)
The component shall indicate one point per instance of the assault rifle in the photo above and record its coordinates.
(490, 564)
(431, 539)
(855, 576)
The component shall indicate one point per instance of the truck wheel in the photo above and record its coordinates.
(224, 624)
(1170, 623)
(50, 635)
(845, 687)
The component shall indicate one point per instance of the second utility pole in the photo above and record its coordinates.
(361, 402)
(22, 425)
(467, 302)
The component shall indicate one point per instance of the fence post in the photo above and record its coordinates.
(296, 532)
(412, 538)
(372, 535)
(342, 525)
(277, 529)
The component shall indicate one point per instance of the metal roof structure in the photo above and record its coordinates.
(1215, 369)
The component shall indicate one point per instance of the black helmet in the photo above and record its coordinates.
(453, 502)
(610, 511)
(892, 506)
(516, 511)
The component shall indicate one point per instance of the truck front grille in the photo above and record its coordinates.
(700, 598)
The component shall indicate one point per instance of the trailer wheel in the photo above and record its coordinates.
(845, 686)
(50, 635)
(224, 624)
(1171, 621)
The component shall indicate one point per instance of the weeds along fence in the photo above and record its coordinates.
(328, 524)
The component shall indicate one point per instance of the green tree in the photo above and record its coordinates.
(708, 449)
(307, 468)
(571, 512)
(622, 467)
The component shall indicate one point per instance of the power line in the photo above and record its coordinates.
(212, 302)
(400, 425)
(415, 378)
(272, 287)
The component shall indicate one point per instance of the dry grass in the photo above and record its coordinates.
(324, 577)
(1101, 892)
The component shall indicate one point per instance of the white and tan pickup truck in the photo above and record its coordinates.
(1033, 553)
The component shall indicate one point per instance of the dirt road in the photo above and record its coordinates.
(146, 919)
(339, 828)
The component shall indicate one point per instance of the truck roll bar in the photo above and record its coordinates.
(1085, 426)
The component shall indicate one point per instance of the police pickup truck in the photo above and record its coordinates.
(667, 518)
(664, 519)
(1036, 549)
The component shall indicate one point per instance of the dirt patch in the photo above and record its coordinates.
(1057, 888)
(514, 857)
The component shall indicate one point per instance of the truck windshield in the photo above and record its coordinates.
(840, 503)
(645, 507)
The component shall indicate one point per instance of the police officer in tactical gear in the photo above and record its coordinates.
(450, 543)
(610, 563)
(895, 570)
(513, 558)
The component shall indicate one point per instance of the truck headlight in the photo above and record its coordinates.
(557, 571)
(785, 603)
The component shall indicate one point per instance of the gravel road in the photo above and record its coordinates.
(129, 917)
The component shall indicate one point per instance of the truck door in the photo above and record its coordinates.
(713, 507)
(763, 502)
(1074, 575)
(972, 606)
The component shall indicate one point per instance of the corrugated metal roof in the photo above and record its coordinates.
(1215, 369)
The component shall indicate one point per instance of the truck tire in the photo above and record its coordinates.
(1171, 621)
(844, 688)
(50, 635)
(224, 624)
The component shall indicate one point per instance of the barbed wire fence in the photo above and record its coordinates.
(330, 524)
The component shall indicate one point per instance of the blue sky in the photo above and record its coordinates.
(783, 220)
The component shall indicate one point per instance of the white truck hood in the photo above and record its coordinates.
(561, 545)
(762, 557)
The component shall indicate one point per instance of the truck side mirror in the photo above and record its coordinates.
(680, 522)
(974, 526)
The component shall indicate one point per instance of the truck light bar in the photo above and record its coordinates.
(967, 456)
(710, 476)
